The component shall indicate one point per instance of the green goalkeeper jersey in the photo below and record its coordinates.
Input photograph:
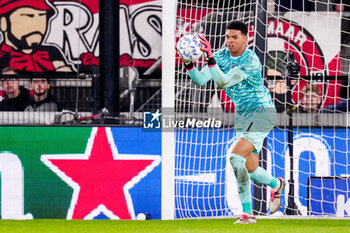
(240, 77)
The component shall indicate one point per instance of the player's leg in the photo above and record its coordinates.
(263, 123)
(261, 176)
(258, 174)
(238, 160)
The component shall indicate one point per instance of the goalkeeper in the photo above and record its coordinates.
(238, 71)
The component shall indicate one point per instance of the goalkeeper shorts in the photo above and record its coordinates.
(255, 126)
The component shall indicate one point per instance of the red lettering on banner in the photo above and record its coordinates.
(88, 59)
(127, 60)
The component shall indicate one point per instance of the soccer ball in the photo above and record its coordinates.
(189, 47)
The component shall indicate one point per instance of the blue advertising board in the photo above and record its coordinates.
(90, 168)
(329, 196)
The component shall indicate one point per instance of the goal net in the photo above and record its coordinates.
(309, 145)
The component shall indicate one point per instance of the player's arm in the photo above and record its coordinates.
(221, 79)
(198, 77)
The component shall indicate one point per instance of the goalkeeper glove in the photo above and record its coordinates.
(188, 63)
(208, 52)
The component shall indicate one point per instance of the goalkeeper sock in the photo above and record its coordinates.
(261, 176)
(243, 181)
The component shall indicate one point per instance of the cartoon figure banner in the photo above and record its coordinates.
(63, 35)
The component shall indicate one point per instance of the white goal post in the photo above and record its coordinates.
(309, 146)
(168, 102)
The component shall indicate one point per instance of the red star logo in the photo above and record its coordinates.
(101, 178)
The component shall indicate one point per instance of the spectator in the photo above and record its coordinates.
(310, 99)
(341, 107)
(43, 100)
(276, 63)
(16, 97)
(278, 93)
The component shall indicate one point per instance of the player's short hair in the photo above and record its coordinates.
(238, 25)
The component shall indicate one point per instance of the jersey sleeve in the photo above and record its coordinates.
(200, 77)
(223, 80)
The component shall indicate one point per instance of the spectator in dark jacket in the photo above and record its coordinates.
(43, 100)
(16, 97)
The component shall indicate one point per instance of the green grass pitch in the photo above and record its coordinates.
(186, 226)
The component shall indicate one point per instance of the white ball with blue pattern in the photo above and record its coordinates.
(189, 47)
